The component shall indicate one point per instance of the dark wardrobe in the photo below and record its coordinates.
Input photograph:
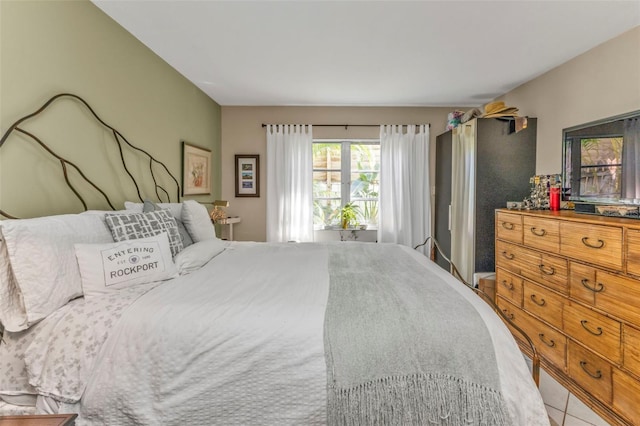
(490, 165)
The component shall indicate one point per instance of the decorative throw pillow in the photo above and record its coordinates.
(106, 268)
(150, 206)
(197, 221)
(131, 226)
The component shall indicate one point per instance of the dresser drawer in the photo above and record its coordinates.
(582, 283)
(545, 269)
(550, 343)
(599, 333)
(633, 252)
(626, 396)
(509, 286)
(514, 258)
(619, 296)
(543, 304)
(514, 313)
(543, 234)
(616, 294)
(601, 245)
(631, 350)
(590, 371)
(509, 227)
(518, 317)
(550, 271)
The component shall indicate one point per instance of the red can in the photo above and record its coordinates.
(554, 198)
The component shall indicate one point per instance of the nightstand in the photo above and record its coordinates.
(229, 221)
(39, 420)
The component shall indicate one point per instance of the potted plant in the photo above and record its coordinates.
(348, 214)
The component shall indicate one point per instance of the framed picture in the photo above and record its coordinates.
(247, 175)
(196, 170)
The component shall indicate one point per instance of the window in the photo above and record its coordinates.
(598, 161)
(345, 172)
(600, 168)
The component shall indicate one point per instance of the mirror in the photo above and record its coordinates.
(600, 161)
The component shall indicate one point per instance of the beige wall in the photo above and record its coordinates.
(242, 133)
(48, 47)
(600, 83)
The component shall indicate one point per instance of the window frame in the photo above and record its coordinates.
(345, 169)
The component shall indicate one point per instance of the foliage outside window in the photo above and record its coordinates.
(345, 172)
(601, 166)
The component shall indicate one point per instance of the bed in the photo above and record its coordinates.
(143, 316)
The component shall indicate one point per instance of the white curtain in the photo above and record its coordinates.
(405, 200)
(289, 183)
(463, 195)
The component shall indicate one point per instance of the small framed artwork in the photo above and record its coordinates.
(196, 170)
(247, 175)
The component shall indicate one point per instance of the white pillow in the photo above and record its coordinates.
(197, 254)
(197, 221)
(106, 268)
(174, 208)
(134, 207)
(13, 315)
(41, 256)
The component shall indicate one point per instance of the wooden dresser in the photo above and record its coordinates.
(572, 283)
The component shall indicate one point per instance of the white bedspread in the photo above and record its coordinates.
(248, 348)
(249, 352)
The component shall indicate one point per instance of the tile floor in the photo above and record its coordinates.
(563, 407)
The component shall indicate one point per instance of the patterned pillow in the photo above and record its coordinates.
(150, 206)
(131, 226)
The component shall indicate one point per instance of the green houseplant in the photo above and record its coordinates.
(348, 214)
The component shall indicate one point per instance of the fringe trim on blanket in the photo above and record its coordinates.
(420, 399)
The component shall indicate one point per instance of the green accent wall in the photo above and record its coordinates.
(50, 47)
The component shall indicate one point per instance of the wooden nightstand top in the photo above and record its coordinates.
(39, 420)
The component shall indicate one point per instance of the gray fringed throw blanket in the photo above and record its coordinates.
(402, 347)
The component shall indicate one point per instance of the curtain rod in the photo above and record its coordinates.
(346, 126)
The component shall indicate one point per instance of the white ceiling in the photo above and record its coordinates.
(368, 53)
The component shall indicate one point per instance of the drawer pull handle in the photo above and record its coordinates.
(509, 286)
(597, 375)
(506, 312)
(596, 289)
(508, 225)
(542, 302)
(551, 343)
(549, 271)
(585, 241)
(509, 256)
(598, 331)
(540, 233)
